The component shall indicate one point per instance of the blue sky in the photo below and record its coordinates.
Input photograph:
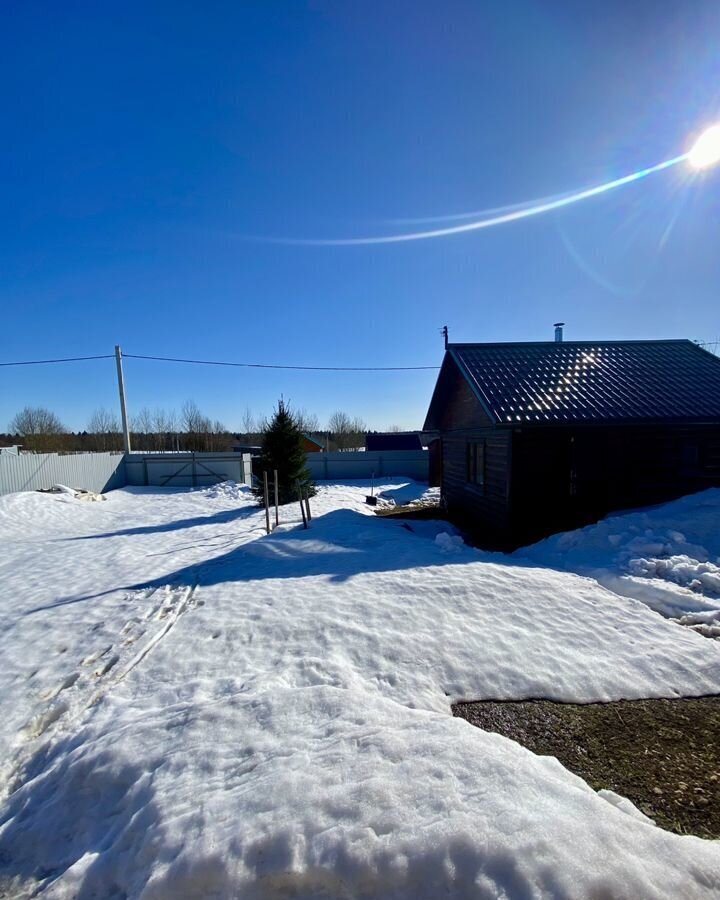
(144, 143)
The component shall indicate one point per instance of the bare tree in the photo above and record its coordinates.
(339, 422)
(158, 428)
(305, 421)
(358, 425)
(143, 421)
(248, 422)
(201, 433)
(191, 417)
(172, 426)
(394, 429)
(347, 433)
(36, 420)
(217, 438)
(104, 429)
(39, 428)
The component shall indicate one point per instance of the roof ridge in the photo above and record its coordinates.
(552, 343)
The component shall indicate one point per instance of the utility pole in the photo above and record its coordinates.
(123, 407)
(444, 333)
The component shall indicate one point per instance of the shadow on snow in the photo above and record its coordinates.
(338, 546)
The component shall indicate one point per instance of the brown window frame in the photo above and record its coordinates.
(475, 462)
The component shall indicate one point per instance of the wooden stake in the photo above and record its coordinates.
(302, 508)
(267, 502)
(307, 504)
(277, 518)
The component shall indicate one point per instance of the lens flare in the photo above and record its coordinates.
(705, 151)
(513, 215)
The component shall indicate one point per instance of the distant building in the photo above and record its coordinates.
(239, 446)
(536, 438)
(409, 440)
(312, 445)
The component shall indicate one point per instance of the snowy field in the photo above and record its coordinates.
(192, 709)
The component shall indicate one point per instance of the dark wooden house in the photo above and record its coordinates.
(536, 438)
(393, 440)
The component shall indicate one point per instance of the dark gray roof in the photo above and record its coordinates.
(598, 381)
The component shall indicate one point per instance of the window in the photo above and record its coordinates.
(475, 462)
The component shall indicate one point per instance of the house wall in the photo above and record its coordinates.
(484, 509)
(567, 477)
(462, 409)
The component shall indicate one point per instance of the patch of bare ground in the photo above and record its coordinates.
(664, 755)
(412, 511)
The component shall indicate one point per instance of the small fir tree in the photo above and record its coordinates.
(282, 449)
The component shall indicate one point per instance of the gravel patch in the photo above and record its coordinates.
(664, 755)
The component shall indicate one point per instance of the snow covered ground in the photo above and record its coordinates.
(667, 556)
(191, 708)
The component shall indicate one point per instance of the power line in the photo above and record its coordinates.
(42, 362)
(244, 365)
(711, 346)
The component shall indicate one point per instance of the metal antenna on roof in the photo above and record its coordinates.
(444, 333)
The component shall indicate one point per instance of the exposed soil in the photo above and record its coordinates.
(664, 755)
(412, 511)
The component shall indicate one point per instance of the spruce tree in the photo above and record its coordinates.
(282, 449)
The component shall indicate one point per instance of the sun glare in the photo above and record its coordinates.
(706, 149)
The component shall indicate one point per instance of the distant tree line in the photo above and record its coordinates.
(41, 430)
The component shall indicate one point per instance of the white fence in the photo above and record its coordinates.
(107, 471)
(366, 463)
(32, 471)
(187, 469)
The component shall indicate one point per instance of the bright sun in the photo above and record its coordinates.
(706, 149)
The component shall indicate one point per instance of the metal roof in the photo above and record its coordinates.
(555, 383)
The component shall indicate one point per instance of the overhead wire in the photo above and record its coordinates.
(41, 362)
(245, 365)
(712, 346)
(215, 362)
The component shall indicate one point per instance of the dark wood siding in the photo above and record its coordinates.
(566, 477)
(462, 409)
(542, 479)
(462, 419)
(486, 508)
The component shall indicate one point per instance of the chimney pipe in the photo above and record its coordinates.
(558, 326)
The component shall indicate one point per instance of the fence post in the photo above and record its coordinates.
(302, 508)
(277, 518)
(267, 502)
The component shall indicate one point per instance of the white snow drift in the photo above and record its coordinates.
(191, 708)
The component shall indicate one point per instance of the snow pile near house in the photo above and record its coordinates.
(192, 709)
(408, 495)
(666, 556)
